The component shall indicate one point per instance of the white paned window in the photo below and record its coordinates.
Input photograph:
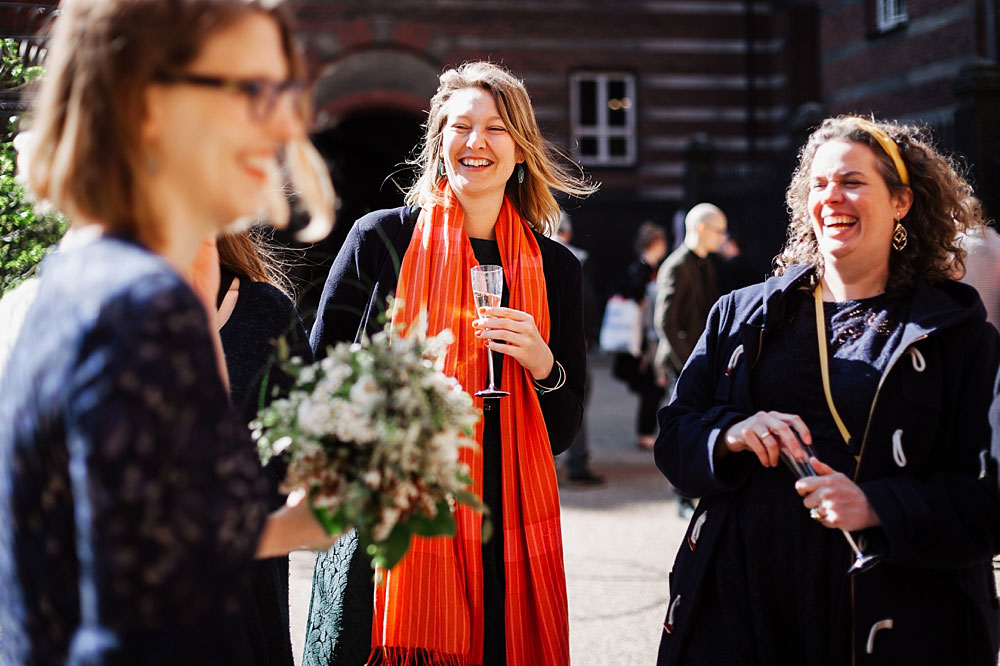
(602, 112)
(889, 14)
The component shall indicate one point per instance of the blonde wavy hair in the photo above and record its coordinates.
(546, 168)
(944, 205)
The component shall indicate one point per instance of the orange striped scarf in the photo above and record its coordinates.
(429, 608)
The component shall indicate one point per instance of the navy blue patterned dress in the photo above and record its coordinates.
(131, 500)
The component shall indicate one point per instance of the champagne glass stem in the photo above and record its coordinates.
(489, 356)
(853, 544)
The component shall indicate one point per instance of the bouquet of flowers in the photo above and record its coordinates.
(372, 433)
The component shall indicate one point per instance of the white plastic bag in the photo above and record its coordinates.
(621, 330)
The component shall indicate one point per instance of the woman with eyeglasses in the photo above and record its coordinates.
(483, 195)
(133, 502)
(843, 403)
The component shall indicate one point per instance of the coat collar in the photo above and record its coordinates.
(931, 308)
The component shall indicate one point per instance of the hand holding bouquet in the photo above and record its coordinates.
(372, 434)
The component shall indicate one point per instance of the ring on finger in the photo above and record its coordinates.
(766, 434)
(817, 514)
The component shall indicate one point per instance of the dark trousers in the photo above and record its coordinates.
(578, 454)
(650, 395)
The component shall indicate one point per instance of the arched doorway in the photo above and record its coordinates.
(366, 154)
(371, 106)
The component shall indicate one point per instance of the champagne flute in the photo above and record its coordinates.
(487, 289)
(802, 469)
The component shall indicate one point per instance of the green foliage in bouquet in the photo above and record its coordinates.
(372, 433)
(25, 236)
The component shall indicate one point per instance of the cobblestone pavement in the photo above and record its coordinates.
(619, 541)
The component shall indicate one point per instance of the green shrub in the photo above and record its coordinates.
(25, 236)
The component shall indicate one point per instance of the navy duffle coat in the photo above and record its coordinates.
(925, 466)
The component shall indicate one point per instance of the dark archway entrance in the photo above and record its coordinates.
(367, 154)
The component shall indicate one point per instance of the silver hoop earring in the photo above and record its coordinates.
(899, 237)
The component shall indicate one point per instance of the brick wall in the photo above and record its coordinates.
(689, 59)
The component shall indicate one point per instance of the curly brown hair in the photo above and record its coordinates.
(943, 204)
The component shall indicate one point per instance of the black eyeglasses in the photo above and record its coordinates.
(262, 94)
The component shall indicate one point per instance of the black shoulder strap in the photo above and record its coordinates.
(226, 278)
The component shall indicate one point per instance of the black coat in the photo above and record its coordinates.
(366, 271)
(925, 467)
(683, 299)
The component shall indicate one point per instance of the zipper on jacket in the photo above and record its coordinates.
(871, 410)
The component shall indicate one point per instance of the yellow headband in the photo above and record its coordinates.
(888, 145)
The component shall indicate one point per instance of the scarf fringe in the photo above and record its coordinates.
(383, 655)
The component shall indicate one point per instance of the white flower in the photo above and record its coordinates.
(372, 478)
(281, 444)
(365, 394)
(335, 373)
(316, 416)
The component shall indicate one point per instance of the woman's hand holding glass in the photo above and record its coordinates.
(766, 435)
(520, 338)
(830, 496)
(838, 501)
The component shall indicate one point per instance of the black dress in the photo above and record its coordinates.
(494, 639)
(132, 500)
(777, 592)
(340, 614)
(263, 314)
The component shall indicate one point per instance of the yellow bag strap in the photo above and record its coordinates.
(824, 364)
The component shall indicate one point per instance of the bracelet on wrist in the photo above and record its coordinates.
(560, 381)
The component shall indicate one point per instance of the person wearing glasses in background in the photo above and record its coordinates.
(685, 292)
(133, 501)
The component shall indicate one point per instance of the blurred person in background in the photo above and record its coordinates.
(254, 315)
(638, 372)
(686, 290)
(578, 469)
(982, 268)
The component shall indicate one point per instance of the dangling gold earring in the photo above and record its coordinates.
(899, 237)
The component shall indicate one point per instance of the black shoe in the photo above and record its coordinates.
(586, 478)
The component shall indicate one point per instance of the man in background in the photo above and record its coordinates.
(685, 292)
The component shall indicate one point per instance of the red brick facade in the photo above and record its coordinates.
(907, 72)
(689, 60)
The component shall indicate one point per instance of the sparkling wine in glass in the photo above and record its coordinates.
(802, 469)
(487, 289)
